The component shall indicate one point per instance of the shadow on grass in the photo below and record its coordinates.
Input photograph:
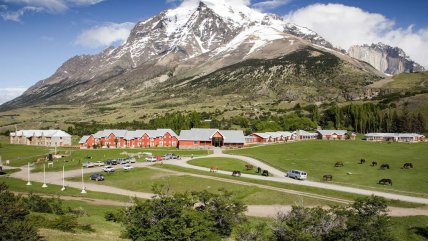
(422, 231)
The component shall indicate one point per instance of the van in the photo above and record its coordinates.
(296, 174)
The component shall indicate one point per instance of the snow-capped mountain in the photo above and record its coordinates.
(387, 59)
(190, 41)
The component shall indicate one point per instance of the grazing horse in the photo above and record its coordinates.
(362, 161)
(374, 163)
(408, 165)
(385, 181)
(327, 177)
(265, 173)
(249, 167)
(214, 169)
(236, 173)
(338, 164)
(259, 170)
(384, 166)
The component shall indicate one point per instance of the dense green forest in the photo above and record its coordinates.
(361, 118)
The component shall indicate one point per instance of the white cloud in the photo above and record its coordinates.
(270, 4)
(344, 26)
(50, 6)
(7, 94)
(105, 35)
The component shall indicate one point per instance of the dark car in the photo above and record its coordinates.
(97, 177)
(111, 162)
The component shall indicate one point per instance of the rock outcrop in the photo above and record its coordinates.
(386, 59)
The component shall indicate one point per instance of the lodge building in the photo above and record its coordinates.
(198, 138)
(49, 138)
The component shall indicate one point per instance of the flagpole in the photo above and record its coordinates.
(44, 176)
(83, 184)
(28, 175)
(63, 176)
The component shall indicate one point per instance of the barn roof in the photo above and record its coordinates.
(200, 134)
(332, 132)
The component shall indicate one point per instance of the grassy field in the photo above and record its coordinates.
(143, 179)
(225, 164)
(20, 155)
(18, 185)
(318, 158)
(104, 230)
(306, 189)
(410, 228)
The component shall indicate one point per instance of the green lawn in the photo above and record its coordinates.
(18, 185)
(104, 230)
(19, 155)
(410, 228)
(143, 179)
(225, 164)
(306, 189)
(318, 158)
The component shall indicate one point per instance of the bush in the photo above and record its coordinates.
(66, 223)
(114, 216)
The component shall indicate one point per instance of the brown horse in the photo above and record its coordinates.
(327, 177)
(338, 164)
(236, 173)
(249, 167)
(385, 181)
(213, 169)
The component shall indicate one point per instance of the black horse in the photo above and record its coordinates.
(384, 166)
(259, 170)
(385, 181)
(265, 173)
(327, 177)
(374, 163)
(362, 161)
(236, 173)
(408, 165)
(338, 164)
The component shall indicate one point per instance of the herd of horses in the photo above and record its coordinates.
(327, 177)
(385, 166)
(248, 167)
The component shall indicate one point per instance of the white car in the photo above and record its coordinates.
(127, 167)
(132, 160)
(296, 174)
(99, 163)
(88, 164)
(151, 159)
(108, 169)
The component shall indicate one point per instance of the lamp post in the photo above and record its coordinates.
(83, 184)
(28, 175)
(44, 176)
(63, 177)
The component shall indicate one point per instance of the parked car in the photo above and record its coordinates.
(97, 177)
(88, 164)
(296, 174)
(99, 163)
(122, 161)
(111, 162)
(151, 159)
(159, 158)
(108, 169)
(132, 160)
(127, 167)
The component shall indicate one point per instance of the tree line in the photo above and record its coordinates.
(360, 118)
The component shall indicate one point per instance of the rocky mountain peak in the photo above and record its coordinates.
(387, 59)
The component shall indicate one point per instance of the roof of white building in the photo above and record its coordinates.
(40, 133)
(332, 132)
(305, 133)
(392, 135)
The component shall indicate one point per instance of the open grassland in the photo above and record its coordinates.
(225, 164)
(144, 179)
(410, 228)
(310, 190)
(318, 158)
(20, 155)
(17, 185)
(103, 230)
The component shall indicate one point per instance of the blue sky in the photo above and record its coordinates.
(37, 36)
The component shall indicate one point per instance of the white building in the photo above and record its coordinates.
(50, 138)
(395, 137)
